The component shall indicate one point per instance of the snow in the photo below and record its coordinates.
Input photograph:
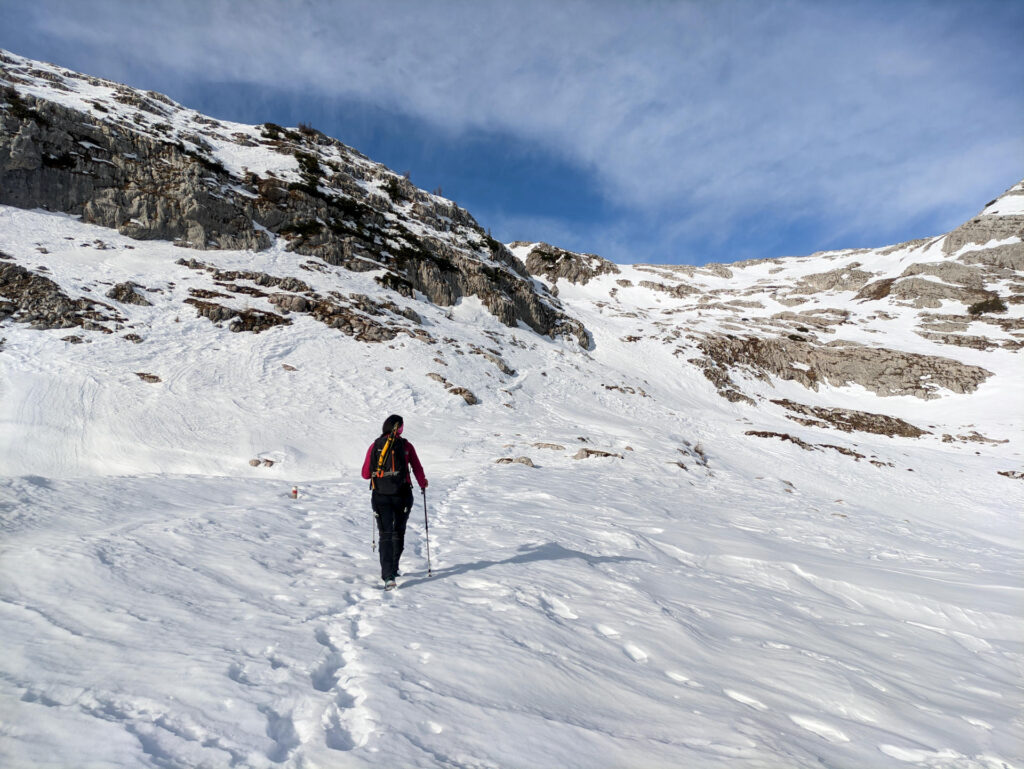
(165, 604)
(702, 597)
(1009, 204)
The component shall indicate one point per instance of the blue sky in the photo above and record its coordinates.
(670, 132)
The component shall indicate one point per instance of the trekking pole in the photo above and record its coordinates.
(373, 526)
(426, 527)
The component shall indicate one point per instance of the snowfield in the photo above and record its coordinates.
(700, 598)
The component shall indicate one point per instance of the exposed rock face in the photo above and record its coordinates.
(357, 315)
(1000, 221)
(920, 292)
(878, 369)
(848, 278)
(678, 290)
(1006, 257)
(56, 158)
(150, 178)
(949, 272)
(466, 394)
(984, 229)
(554, 263)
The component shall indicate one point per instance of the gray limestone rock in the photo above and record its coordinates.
(984, 229)
(1007, 257)
(553, 263)
(949, 272)
(921, 292)
(878, 369)
(848, 278)
(467, 396)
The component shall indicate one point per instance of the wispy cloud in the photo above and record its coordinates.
(699, 112)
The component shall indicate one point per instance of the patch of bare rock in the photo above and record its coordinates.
(357, 315)
(126, 293)
(28, 297)
(972, 437)
(849, 420)
(846, 451)
(466, 394)
(516, 460)
(586, 453)
(241, 320)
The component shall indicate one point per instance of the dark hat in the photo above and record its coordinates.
(391, 423)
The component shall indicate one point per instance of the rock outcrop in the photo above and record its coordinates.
(880, 370)
(850, 420)
(126, 294)
(554, 263)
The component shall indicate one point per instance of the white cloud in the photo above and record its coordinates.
(856, 111)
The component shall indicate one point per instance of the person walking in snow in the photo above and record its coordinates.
(387, 465)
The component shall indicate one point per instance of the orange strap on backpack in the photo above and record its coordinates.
(384, 453)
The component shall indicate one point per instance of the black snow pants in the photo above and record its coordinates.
(392, 513)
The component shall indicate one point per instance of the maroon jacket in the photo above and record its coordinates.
(411, 460)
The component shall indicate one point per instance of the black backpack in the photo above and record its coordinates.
(389, 470)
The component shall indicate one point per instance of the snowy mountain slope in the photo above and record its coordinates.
(140, 163)
(742, 582)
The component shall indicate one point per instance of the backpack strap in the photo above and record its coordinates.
(387, 450)
(392, 443)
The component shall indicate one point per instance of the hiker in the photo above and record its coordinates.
(387, 468)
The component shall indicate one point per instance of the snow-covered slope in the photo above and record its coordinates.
(764, 568)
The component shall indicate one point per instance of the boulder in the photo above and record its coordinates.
(126, 294)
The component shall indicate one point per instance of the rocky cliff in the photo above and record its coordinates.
(144, 165)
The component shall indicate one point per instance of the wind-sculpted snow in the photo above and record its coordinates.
(580, 620)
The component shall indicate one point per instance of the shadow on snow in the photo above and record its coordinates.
(550, 551)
